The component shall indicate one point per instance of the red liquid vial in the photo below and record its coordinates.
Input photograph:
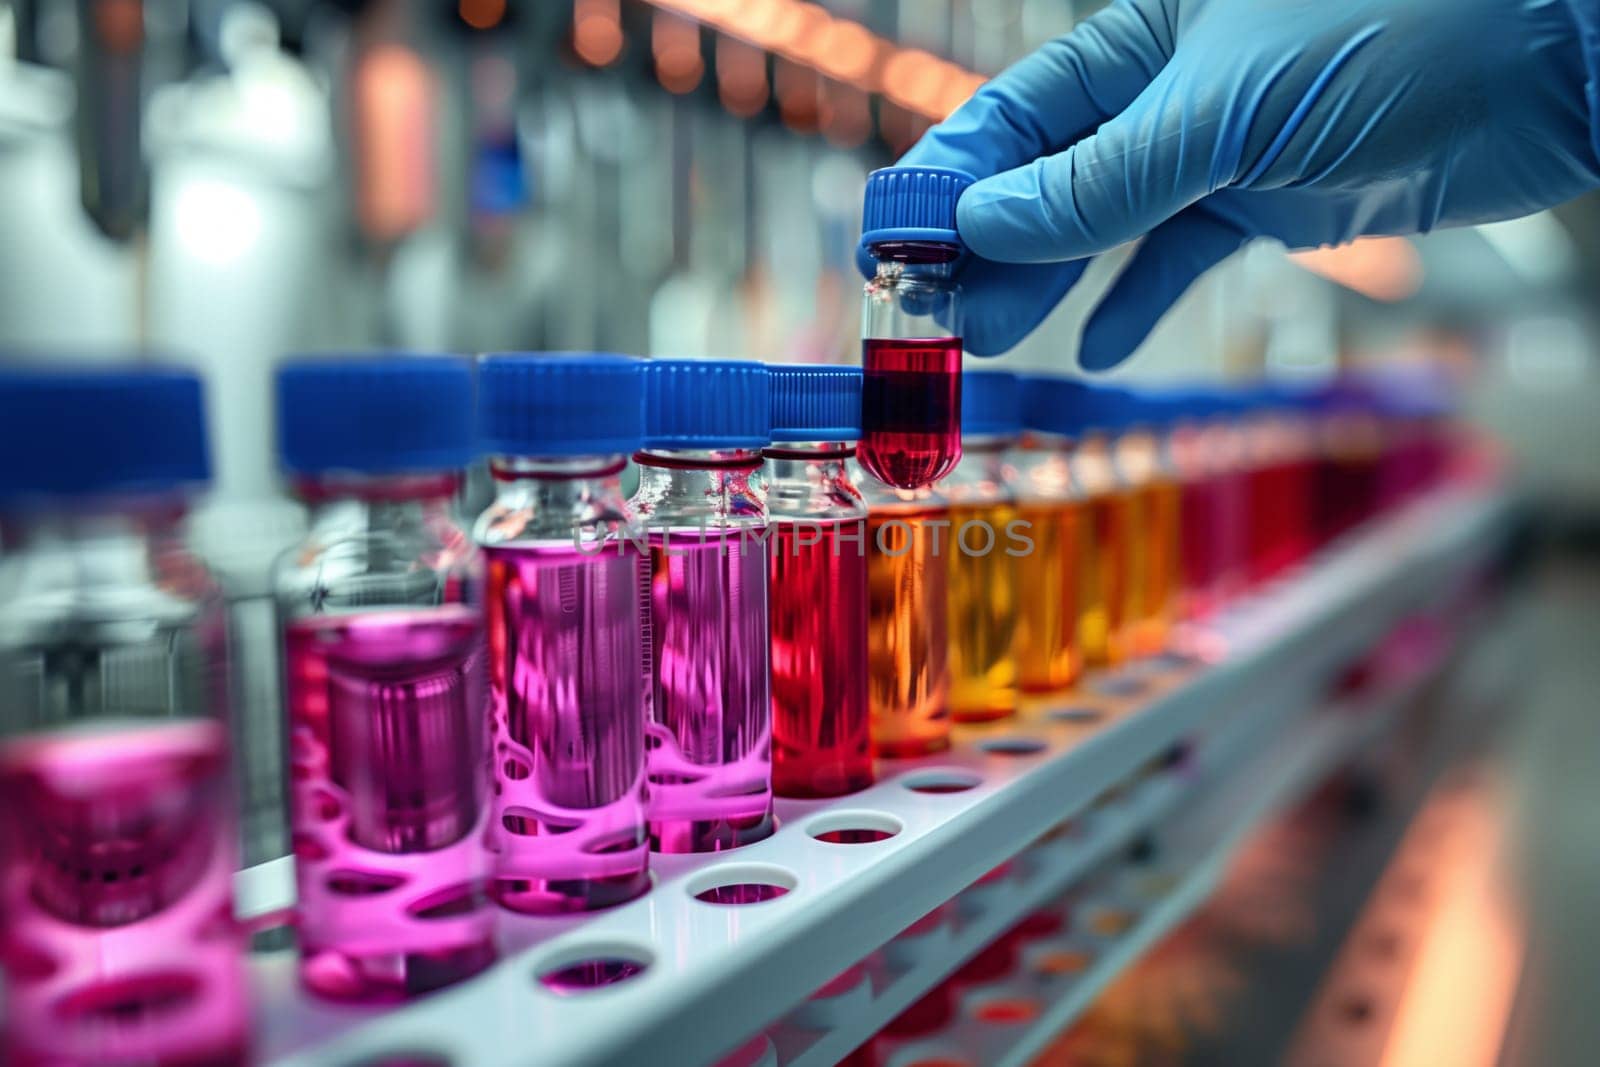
(817, 600)
(910, 410)
(821, 742)
(911, 323)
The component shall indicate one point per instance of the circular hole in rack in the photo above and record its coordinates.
(1112, 922)
(854, 827)
(941, 780)
(1355, 1009)
(742, 883)
(407, 1058)
(1063, 961)
(1012, 746)
(1384, 944)
(1077, 713)
(1118, 685)
(585, 968)
(1172, 661)
(1007, 1010)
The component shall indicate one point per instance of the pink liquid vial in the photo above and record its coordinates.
(703, 501)
(387, 807)
(710, 741)
(911, 325)
(567, 727)
(118, 841)
(569, 674)
(117, 896)
(910, 410)
(383, 660)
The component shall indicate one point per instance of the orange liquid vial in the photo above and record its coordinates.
(1051, 578)
(1156, 545)
(908, 680)
(983, 605)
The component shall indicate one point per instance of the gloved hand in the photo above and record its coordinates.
(1205, 123)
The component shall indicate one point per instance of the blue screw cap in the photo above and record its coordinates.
(560, 404)
(103, 430)
(1065, 406)
(913, 204)
(991, 404)
(706, 403)
(812, 402)
(393, 413)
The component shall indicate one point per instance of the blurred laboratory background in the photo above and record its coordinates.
(223, 182)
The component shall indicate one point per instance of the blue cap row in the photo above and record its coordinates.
(76, 431)
(135, 429)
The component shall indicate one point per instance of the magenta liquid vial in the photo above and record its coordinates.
(383, 658)
(568, 675)
(817, 601)
(911, 326)
(702, 499)
(118, 841)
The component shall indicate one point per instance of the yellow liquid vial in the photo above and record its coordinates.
(1049, 579)
(1156, 566)
(983, 604)
(907, 639)
(1108, 579)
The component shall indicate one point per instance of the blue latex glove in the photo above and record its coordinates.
(1205, 123)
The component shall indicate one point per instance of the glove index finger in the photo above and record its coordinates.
(1139, 169)
(1054, 95)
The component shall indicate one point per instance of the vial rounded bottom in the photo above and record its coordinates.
(382, 977)
(563, 896)
(709, 835)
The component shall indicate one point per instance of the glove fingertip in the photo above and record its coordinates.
(1106, 343)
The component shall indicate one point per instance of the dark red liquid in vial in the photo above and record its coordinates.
(821, 745)
(910, 410)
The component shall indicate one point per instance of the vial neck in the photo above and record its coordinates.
(551, 497)
(133, 520)
(380, 501)
(784, 452)
(696, 487)
(892, 255)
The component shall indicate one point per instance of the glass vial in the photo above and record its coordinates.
(1107, 590)
(381, 614)
(703, 501)
(567, 568)
(1054, 573)
(911, 326)
(908, 688)
(118, 842)
(1278, 446)
(984, 558)
(821, 741)
(1144, 461)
